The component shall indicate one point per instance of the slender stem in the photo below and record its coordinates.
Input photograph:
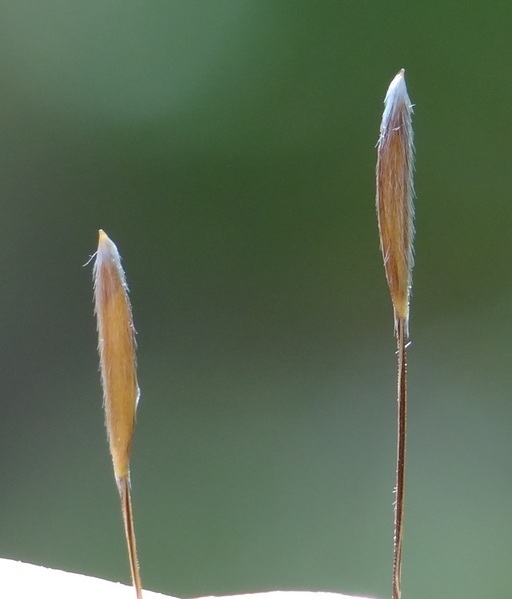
(126, 507)
(400, 457)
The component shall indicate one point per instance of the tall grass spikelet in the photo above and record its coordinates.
(118, 364)
(395, 194)
(395, 212)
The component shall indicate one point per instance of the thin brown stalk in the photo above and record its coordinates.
(129, 530)
(116, 346)
(395, 212)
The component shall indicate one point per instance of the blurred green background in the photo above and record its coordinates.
(228, 148)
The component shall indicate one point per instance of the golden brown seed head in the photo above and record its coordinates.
(116, 346)
(395, 194)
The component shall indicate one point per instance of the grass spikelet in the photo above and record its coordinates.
(395, 212)
(116, 346)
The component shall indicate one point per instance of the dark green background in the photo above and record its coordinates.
(228, 148)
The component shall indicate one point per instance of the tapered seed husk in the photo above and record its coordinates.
(395, 194)
(118, 365)
(395, 211)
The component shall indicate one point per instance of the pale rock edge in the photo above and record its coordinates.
(26, 581)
